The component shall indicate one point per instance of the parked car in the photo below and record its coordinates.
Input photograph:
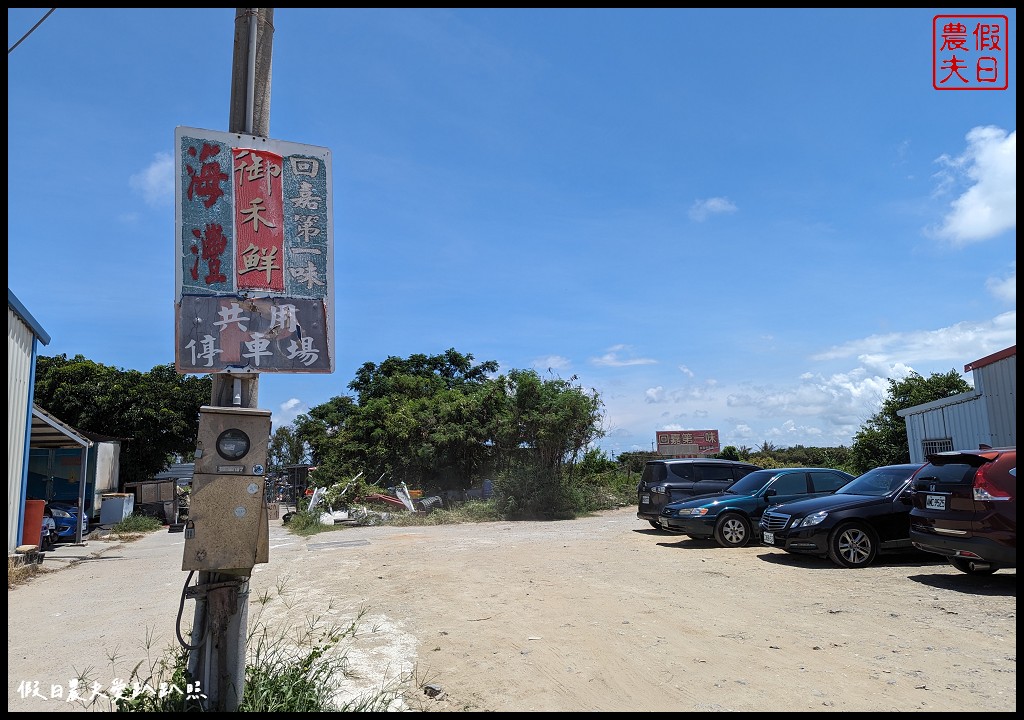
(65, 517)
(868, 516)
(965, 508)
(731, 516)
(664, 481)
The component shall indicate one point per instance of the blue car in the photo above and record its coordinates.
(65, 517)
(731, 517)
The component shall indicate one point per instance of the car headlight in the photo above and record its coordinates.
(57, 512)
(810, 520)
(694, 512)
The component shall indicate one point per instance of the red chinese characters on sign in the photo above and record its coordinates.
(205, 183)
(688, 443)
(970, 52)
(206, 178)
(259, 220)
(213, 244)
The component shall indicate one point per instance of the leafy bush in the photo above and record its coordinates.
(527, 493)
(303, 522)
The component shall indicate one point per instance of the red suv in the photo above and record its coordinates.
(965, 508)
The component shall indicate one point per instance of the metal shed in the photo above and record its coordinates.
(24, 336)
(986, 415)
(49, 433)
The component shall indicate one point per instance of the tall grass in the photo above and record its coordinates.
(20, 572)
(300, 667)
(135, 526)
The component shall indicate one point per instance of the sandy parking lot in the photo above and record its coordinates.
(601, 613)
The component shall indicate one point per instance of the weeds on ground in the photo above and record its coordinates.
(20, 572)
(134, 526)
(301, 668)
(305, 523)
(472, 511)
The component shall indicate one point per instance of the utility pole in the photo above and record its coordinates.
(219, 630)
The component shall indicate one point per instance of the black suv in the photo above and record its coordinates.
(665, 481)
(965, 508)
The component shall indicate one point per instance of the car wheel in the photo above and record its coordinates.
(732, 530)
(655, 524)
(852, 546)
(970, 567)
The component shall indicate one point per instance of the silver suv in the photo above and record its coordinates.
(665, 481)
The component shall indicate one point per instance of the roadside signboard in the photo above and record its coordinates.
(688, 443)
(254, 271)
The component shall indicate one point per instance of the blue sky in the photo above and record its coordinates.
(736, 219)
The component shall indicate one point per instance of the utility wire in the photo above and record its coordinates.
(11, 48)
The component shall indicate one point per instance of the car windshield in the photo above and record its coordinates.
(752, 482)
(878, 482)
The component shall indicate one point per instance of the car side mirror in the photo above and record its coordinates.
(907, 496)
(770, 492)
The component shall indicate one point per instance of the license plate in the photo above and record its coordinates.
(768, 538)
(645, 499)
(935, 502)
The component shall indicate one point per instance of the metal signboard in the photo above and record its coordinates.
(254, 246)
(688, 443)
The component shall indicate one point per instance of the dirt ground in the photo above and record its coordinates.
(602, 614)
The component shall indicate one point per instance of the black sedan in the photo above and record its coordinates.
(867, 516)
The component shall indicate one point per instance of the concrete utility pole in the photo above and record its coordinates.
(250, 71)
(219, 631)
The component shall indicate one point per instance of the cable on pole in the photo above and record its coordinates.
(48, 14)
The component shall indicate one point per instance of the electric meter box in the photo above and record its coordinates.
(228, 520)
(228, 524)
(232, 441)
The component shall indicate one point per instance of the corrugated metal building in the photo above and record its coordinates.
(986, 415)
(24, 335)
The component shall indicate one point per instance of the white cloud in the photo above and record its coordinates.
(701, 210)
(654, 394)
(989, 206)
(962, 342)
(288, 411)
(820, 405)
(612, 359)
(686, 371)
(156, 182)
(551, 362)
(1004, 288)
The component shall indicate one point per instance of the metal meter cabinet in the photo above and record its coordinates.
(228, 525)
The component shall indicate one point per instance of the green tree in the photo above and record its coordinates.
(443, 422)
(287, 448)
(767, 448)
(334, 452)
(635, 460)
(420, 420)
(729, 452)
(540, 429)
(882, 440)
(550, 421)
(155, 413)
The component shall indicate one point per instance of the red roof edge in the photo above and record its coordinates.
(989, 359)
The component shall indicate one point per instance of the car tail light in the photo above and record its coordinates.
(986, 489)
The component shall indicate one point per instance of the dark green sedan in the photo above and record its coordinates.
(731, 516)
